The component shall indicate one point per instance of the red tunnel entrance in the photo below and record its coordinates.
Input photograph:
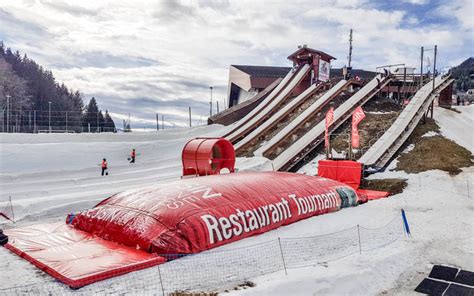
(208, 156)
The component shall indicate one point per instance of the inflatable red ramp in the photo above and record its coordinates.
(75, 257)
(130, 230)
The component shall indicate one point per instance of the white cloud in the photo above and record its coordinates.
(144, 56)
(417, 2)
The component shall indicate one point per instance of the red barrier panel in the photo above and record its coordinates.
(208, 156)
(194, 215)
(345, 171)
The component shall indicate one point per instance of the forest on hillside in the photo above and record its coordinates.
(32, 100)
(464, 73)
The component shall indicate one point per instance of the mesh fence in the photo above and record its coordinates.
(215, 269)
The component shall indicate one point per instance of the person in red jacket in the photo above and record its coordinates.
(104, 166)
(133, 154)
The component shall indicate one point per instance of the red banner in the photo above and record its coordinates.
(357, 117)
(329, 121)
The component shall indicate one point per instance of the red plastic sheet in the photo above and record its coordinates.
(194, 215)
(345, 171)
(75, 257)
(371, 194)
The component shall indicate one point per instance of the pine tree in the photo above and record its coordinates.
(109, 122)
(90, 116)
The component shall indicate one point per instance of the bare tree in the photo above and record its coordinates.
(13, 86)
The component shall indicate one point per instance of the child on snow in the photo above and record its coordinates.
(104, 167)
(133, 154)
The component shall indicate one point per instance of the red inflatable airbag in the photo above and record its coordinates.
(193, 215)
(75, 257)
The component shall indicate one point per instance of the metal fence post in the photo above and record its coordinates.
(66, 121)
(161, 281)
(358, 234)
(282, 257)
(468, 194)
(34, 121)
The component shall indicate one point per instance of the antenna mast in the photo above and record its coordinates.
(350, 49)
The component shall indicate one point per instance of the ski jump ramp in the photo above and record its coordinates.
(304, 145)
(276, 97)
(261, 129)
(298, 121)
(382, 151)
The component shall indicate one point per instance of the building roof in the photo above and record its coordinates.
(263, 71)
(304, 49)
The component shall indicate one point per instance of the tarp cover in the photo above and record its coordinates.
(75, 257)
(371, 194)
(197, 214)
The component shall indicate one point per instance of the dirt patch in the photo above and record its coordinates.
(393, 186)
(381, 104)
(194, 294)
(371, 128)
(453, 109)
(431, 153)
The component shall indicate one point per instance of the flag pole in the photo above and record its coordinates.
(350, 144)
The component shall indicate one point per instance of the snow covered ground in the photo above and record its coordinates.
(51, 175)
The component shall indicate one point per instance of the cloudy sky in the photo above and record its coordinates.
(161, 56)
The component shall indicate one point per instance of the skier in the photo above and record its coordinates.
(3, 238)
(104, 166)
(132, 156)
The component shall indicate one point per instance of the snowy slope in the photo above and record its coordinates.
(51, 175)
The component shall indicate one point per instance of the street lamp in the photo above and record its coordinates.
(49, 121)
(210, 103)
(8, 113)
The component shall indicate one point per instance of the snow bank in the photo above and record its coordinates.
(457, 126)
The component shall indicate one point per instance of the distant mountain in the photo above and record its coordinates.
(464, 75)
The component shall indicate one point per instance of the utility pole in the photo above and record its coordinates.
(350, 49)
(434, 76)
(421, 68)
(210, 103)
(157, 122)
(190, 123)
(162, 122)
(8, 113)
(217, 106)
(434, 64)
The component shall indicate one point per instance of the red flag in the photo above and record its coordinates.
(329, 121)
(357, 117)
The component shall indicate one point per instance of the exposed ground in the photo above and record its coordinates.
(393, 186)
(433, 151)
(379, 115)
